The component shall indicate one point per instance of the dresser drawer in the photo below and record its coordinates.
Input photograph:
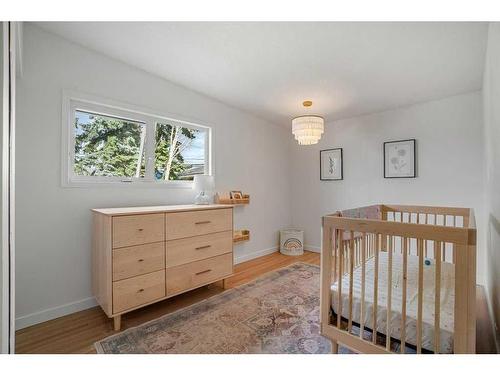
(196, 223)
(138, 260)
(138, 229)
(186, 250)
(138, 290)
(191, 275)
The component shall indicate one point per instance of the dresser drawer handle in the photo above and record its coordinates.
(202, 272)
(140, 290)
(203, 222)
(140, 229)
(141, 260)
(202, 247)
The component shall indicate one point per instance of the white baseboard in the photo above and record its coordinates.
(256, 254)
(314, 249)
(54, 312)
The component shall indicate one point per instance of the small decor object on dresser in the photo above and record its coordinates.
(291, 242)
(399, 159)
(330, 164)
(204, 185)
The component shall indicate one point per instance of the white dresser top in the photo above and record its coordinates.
(158, 209)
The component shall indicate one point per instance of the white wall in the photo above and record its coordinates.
(53, 223)
(450, 164)
(491, 96)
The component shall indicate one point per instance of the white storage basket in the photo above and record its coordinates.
(292, 242)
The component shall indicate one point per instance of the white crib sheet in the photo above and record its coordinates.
(447, 300)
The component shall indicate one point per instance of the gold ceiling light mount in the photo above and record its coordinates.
(308, 129)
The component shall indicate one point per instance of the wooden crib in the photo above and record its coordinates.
(399, 278)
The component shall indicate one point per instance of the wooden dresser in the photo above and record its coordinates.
(142, 255)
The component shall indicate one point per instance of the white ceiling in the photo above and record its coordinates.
(268, 69)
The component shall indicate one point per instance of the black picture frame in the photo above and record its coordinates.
(341, 164)
(414, 141)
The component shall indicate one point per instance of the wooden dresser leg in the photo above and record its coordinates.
(117, 322)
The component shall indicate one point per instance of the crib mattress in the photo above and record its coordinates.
(447, 300)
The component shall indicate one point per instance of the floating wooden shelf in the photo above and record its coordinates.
(233, 201)
(224, 198)
(241, 236)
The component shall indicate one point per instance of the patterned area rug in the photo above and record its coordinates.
(277, 313)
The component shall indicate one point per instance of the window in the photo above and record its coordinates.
(107, 144)
(179, 152)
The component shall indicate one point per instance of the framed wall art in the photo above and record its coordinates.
(400, 159)
(331, 164)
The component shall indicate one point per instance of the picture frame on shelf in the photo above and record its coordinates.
(400, 159)
(236, 194)
(331, 164)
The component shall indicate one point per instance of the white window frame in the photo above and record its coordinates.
(73, 101)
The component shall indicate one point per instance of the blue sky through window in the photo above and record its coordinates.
(195, 153)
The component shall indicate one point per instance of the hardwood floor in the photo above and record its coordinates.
(485, 342)
(76, 333)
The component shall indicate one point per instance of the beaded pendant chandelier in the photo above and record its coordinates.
(308, 129)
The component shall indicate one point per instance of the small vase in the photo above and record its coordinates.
(202, 198)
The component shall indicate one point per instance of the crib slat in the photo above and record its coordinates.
(357, 249)
(343, 258)
(389, 296)
(403, 298)
(453, 254)
(346, 258)
(368, 245)
(351, 279)
(426, 221)
(356, 252)
(374, 243)
(339, 289)
(375, 290)
(420, 295)
(335, 254)
(363, 273)
(437, 300)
